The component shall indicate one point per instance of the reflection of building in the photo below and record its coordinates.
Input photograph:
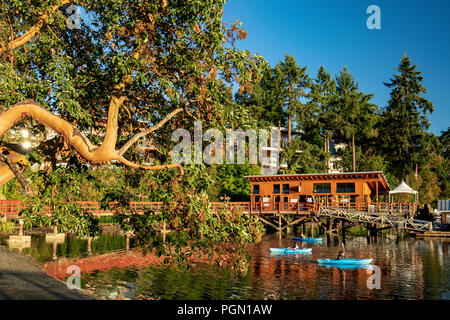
(326, 188)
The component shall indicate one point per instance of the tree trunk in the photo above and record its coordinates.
(289, 129)
(354, 153)
(327, 150)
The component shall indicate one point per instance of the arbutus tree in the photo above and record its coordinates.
(132, 70)
(128, 70)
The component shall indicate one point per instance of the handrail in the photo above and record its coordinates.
(13, 207)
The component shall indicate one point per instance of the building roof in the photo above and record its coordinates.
(372, 177)
(403, 188)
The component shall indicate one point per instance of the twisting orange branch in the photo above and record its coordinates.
(136, 137)
(82, 145)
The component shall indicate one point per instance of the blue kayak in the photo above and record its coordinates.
(344, 262)
(290, 250)
(308, 239)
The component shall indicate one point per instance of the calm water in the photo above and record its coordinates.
(410, 269)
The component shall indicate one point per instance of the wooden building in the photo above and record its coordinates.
(334, 189)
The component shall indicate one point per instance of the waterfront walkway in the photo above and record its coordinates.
(21, 279)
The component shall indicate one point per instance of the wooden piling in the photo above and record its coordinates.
(20, 227)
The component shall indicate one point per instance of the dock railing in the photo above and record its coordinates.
(13, 207)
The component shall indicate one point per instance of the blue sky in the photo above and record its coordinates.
(334, 34)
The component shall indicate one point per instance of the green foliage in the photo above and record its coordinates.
(196, 230)
(302, 157)
(230, 181)
(68, 217)
(7, 227)
(404, 119)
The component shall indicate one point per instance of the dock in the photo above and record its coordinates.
(281, 216)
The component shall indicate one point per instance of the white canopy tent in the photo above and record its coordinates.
(404, 188)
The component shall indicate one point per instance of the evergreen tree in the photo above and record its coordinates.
(445, 141)
(295, 82)
(265, 102)
(353, 115)
(317, 114)
(404, 119)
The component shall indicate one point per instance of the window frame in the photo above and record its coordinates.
(279, 189)
(321, 190)
(346, 187)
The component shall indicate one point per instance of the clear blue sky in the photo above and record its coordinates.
(334, 34)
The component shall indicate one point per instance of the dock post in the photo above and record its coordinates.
(54, 250)
(164, 231)
(20, 227)
(89, 244)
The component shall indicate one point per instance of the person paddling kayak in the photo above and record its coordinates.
(295, 246)
(341, 253)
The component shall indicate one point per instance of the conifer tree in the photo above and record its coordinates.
(316, 115)
(405, 118)
(295, 82)
(353, 115)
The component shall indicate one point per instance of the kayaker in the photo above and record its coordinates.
(341, 253)
(295, 245)
(302, 236)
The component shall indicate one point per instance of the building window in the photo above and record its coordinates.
(256, 189)
(285, 188)
(322, 187)
(276, 188)
(345, 188)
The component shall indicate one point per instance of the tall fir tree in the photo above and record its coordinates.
(353, 115)
(317, 113)
(404, 120)
(295, 82)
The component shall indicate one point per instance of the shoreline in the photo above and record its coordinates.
(21, 278)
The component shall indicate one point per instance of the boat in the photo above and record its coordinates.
(290, 250)
(307, 239)
(345, 262)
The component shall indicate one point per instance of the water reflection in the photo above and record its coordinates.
(410, 269)
(46, 247)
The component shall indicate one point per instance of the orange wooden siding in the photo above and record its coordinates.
(301, 187)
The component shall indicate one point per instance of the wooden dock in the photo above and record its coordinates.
(433, 234)
(280, 216)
